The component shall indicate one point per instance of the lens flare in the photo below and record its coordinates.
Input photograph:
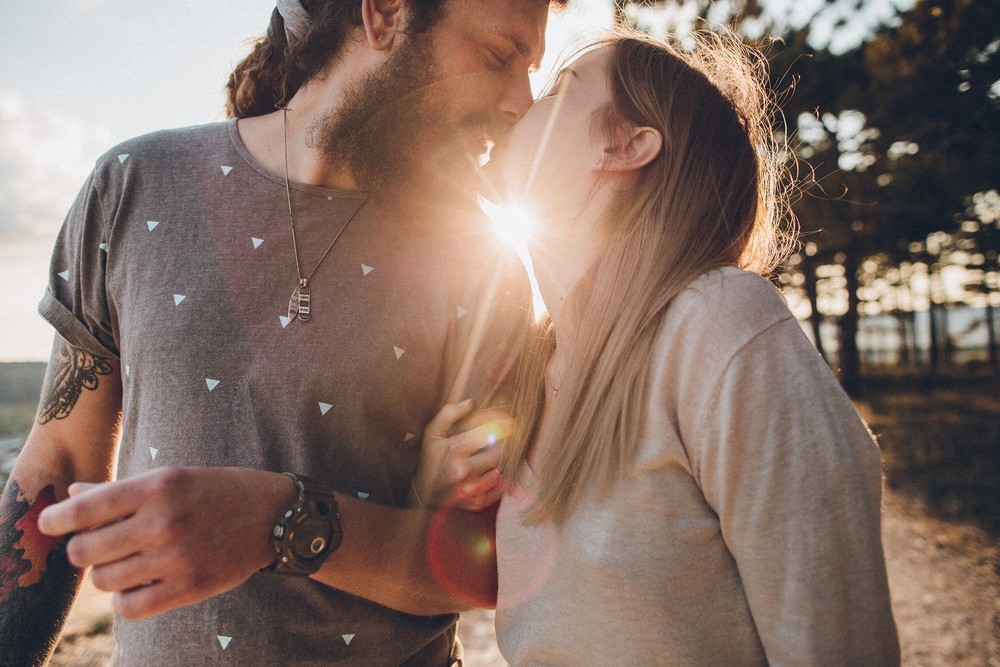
(461, 552)
(514, 225)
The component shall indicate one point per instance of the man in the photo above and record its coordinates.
(297, 291)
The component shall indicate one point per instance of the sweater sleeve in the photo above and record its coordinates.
(795, 478)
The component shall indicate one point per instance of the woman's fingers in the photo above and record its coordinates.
(479, 494)
(447, 417)
(481, 438)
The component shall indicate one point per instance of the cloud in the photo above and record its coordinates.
(44, 159)
(89, 4)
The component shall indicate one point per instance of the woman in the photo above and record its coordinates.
(691, 486)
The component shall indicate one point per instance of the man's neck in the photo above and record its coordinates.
(265, 136)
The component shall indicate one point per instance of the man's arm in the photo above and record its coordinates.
(73, 438)
(175, 536)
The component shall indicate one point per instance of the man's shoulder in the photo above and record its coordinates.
(151, 149)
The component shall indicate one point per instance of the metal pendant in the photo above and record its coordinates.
(299, 303)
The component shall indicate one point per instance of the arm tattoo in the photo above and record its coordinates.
(72, 369)
(37, 583)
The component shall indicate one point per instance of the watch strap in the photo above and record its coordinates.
(309, 531)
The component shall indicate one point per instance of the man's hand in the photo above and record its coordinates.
(461, 471)
(171, 537)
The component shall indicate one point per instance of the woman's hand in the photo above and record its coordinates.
(460, 470)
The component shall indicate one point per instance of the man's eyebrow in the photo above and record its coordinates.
(520, 46)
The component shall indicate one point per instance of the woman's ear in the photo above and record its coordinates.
(638, 148)
(383, 20)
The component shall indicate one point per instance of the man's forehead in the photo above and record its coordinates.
(522, 23)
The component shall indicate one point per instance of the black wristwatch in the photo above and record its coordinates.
(306, 535)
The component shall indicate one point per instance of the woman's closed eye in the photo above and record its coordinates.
(560, 83)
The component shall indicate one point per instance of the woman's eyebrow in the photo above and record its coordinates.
(566, 70)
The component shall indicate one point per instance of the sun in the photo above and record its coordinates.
(514, 225)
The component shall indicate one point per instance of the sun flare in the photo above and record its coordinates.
(514, 225)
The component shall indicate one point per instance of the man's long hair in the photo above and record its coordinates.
(271, 73)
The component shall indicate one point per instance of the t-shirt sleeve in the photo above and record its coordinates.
(75, 301)
(794, 476)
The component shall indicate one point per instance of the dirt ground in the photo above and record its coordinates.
(944, 580)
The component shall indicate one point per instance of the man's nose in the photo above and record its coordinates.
(517, 98)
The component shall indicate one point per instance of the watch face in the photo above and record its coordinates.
(311, 539)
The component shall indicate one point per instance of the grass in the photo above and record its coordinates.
(940, 440)
(20, 384)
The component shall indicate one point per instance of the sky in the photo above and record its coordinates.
(79, 76)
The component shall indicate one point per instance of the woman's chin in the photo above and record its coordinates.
(495, 185)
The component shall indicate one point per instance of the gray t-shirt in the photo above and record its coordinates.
(177, 259)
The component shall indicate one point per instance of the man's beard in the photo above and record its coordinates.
(394, 130)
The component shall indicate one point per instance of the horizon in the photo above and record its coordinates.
(101, 72)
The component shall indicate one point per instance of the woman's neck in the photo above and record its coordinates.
(561, 259)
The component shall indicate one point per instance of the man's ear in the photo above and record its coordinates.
(639, 147)
(383, 20)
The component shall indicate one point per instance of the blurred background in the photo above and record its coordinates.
(892, 117)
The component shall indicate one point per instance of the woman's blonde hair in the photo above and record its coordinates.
(713, 197)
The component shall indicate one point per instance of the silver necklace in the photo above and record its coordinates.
(300, 303)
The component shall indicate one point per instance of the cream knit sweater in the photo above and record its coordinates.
(749, 534)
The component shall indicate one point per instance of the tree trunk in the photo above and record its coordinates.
(991, 331)
(948, 345)
(815, 317)
(904, 359)
(914, 349)
(850, 363)
(932, 314)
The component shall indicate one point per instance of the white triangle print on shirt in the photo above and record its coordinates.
(211, 384)
(226, 169)
(224, 641)
(128, 369)
(64, 275)
(461, 312)
(399, 351)
(104, 247)
(365, 269)
(152, 224)
(256, 242)
(324, 407)
(122, 158)
(363, 496)
(153, 451)
(347, 639)
(178, 298)
(284, 320)
(408, 437)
